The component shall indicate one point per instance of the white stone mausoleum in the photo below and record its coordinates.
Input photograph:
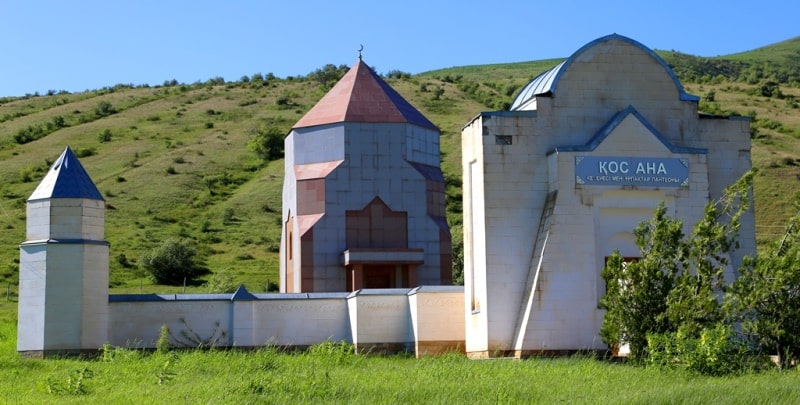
(551, 188)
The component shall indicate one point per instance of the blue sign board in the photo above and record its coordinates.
(631, 171)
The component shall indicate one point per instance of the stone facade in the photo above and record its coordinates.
(63, 282)
(553, 186)
(363, 194)
(372, 320)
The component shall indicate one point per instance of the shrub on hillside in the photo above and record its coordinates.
(105, 136)
(173, 263)
(103, 109)
(328, 75)
(267, 143)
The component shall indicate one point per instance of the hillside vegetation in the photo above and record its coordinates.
(173, 161)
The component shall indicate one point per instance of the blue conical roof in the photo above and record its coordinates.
(66, 179)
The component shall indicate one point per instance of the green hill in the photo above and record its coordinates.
(173, 161)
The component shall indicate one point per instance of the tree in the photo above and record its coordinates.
(328, 75)
(636, 292)
(677, 283)
(766, 297)
(173, 263)
(267, 142)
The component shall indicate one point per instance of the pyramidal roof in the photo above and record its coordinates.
(66, 179)
(362, 96)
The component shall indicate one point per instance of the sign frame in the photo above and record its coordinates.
(631, 171)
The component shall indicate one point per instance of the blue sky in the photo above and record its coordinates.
(79, 45)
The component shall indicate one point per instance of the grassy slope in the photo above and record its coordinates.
(199, 133)
(783, 52)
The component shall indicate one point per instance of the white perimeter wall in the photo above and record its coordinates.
(396, 318)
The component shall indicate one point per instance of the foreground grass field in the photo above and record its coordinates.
(329, 373)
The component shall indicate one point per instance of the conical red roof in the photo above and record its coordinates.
(362, 96)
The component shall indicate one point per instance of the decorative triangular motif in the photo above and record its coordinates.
(612, 125)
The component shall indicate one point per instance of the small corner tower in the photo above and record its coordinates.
(363, 193)
(63, 286)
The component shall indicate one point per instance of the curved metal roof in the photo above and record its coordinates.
(541, 84)
(546, 83)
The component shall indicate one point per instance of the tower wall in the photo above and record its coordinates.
(397, 162)
(63, 305)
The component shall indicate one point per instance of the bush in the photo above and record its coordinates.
(284, 100)
(85, 152)
(31, 133)
(173, 263)
(162, 345)
(267, 143)
(766, 297)
(103, 109)
(397, 74)
(27, 174)
(59, 121)
(221, 282)
(104, 136)
(717, 351)
(123, 261)
(228, 216)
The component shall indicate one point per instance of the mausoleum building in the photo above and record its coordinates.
(553, 186)
(363, 193)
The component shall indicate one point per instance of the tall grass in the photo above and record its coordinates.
(330, 373)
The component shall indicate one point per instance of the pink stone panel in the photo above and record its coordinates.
(311, 196)
(377, 226)
(307, 261)
(315, 170)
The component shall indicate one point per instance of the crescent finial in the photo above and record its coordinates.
(359, 51)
